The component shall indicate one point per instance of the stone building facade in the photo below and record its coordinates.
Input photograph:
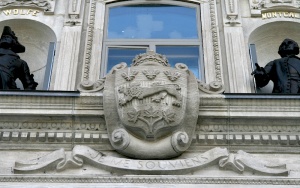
(148, 93)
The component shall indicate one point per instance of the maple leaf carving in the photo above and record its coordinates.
(169, 117)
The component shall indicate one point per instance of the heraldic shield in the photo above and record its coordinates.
(150, 108)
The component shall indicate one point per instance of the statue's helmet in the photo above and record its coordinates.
(288, 47)
(9, 40)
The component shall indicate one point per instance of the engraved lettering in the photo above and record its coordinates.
(150, 164)
(182, 163)
(115, 162)
(7, 12)
(280, 15)
(188, 162)
(24, 12)
(286, 14)
(35, 12)
(126, 163)
(292, 15)
(173, 163)
(140, 163)
(162, 166)
(202, 158)
(196, 160)
(16, 11)
(28, 11)
(101, 159)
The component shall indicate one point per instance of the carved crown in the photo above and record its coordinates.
(150, 58)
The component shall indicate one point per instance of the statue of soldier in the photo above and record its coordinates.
(11, 66)
(284, 72)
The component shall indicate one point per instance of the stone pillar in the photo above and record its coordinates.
(238, 66)
(68, 56)
(68, 59)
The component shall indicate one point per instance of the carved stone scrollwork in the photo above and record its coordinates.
(89, 86)
(242, 160)
(257, 4)
(181, 66)
(119, 66)
(81, 155)
(180, 141)
(211, 88)
(43, 4)
(120, 139)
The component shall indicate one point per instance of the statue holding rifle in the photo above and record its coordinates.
(11, 65)
(283, 72)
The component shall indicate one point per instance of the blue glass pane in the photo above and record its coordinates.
(118, 55)
(188, 55)
(152, 22)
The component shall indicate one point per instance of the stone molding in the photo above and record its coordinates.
(215, 41)
(47, 5)
(201, 140)
(153, 179)
(257, 7)
(89, 41)
(239, 120)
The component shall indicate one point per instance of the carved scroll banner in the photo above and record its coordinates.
(100, 160)
(242, 160)
(83, 154)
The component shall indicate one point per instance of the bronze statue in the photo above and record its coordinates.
(284, 72)
(11, 66)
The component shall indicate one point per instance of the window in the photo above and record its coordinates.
(172, 30)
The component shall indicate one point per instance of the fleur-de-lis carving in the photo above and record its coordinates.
(151, 74)
(130, 76)
(173, 76)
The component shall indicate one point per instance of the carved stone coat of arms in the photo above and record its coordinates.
(150, 108)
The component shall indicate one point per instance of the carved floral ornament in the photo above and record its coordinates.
(260, 7)
(43, 4)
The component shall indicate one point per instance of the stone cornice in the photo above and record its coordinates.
(60, 119)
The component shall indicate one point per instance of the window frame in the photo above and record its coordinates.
(152, 43)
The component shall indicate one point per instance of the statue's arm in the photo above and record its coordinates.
(261, 74)
(27, 78)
